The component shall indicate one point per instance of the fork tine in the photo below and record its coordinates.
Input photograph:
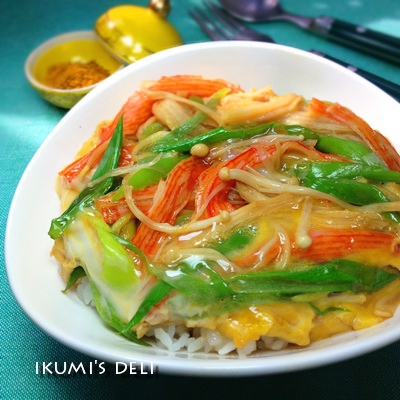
(223, 19)
(205, 23)
(227, 19)
(219, 25)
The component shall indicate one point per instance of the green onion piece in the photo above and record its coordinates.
(151, 175)
(118, 269)
(350, 149)
(125, 227)
(147, 176)
(150, 129)
(110, 158)
(196, 279)
(76, 274)
(157, 293)
(326, 311)
(276, 286)
(296, 130)
(336, 276)
(238, 239)
(348, 170)
(335, 178)
(354, 192)
(221, 134)
(132, 248)
(85, 198)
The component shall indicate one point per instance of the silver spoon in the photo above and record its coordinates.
(376, 43)
(219, 25)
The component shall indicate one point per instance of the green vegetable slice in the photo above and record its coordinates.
(221, 134)
(75, 275)
(354, 192)
(351, 191)
(350, 149)
(336, 276)
(347, 170)
(196, 279)
(85, 198)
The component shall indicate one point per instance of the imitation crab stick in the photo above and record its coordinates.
(214, 190)
(328, 244)
(176, 194)
(192, 85)
(135, 112)
(376, 141)
(112, 210)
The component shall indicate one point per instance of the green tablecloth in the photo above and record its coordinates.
(26, 120)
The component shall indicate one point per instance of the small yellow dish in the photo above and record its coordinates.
(81, 47)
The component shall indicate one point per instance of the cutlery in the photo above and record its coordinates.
(376, 43)
(221, 26)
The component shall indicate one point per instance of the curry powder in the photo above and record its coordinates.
(75, 75)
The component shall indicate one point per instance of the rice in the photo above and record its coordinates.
(84, 292)
(175, 338)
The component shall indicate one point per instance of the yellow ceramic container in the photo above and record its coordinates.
(133, 32)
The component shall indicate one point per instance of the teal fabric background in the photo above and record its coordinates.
(26, 120)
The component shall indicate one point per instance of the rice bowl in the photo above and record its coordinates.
(282, 66)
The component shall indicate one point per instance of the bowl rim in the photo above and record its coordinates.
(47, 45)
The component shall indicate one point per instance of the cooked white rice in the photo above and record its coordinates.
(175, 338)
(84, 292)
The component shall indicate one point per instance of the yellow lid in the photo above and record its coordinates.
(133, 32)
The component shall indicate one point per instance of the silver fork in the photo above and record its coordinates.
(219, 25)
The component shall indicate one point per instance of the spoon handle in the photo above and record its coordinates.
(379, 44)
(389, 87)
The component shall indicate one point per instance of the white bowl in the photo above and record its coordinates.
(33, 275)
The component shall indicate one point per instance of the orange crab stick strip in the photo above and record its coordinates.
(112, 210)
(193, 85)
(125, 158)
(176, 194)
(135, 111)
(84, 163)
(92, 158)
(211, 198)
(263, 256)
(374, 139)
(329, 244)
